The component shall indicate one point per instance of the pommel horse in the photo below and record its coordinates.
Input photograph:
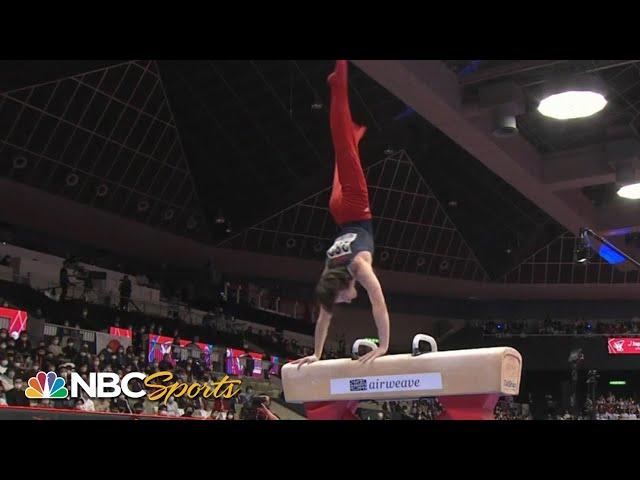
(468, 383)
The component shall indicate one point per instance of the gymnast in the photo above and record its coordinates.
(350, 258)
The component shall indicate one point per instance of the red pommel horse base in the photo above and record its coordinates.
(468, 383)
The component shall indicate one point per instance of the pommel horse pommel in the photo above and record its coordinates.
(468, 383)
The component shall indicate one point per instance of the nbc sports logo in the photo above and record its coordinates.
(46, 385)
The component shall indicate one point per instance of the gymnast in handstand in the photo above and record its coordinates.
(350, 258)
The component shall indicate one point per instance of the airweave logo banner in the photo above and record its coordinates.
(387, 383)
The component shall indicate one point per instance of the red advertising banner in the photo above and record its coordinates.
(17, 320)
(120, 332)
(624, 346)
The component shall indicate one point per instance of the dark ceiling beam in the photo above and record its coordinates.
(576, 169)
(606, 66)
(508, 70)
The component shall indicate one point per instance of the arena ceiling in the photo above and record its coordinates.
(179, 144)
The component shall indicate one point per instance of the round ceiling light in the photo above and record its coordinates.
(631, 191)
(572, 104)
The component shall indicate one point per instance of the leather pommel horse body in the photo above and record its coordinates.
(467, 383)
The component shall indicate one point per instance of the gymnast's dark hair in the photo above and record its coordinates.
(331, 282)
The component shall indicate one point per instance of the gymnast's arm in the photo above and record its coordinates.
(368, 279)
(322, 327)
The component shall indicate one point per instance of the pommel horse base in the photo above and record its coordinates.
(467, 383)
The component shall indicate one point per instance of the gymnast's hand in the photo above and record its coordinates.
(302, 361)
(373, 354)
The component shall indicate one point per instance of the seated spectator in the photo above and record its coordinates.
(69, 352)
(23, 345)
(138, 408)
(16, 397)
(188, 412)
(172, 407)
(4, 365)
(165, 364)
(54, 347)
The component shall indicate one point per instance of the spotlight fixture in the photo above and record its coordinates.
(220, 217)
(504, 123)
(573, 97)
(228, 229)
(631, 191)
(291, 242)
(506, 101)
(316, 106)
(19, 162)
(389, 151)
(384, 256)
(143, 205)
(625, 154)
(452, 203)
(102, 190)
(192, 223)
(168, 214)
(317, 247)
(71, 179)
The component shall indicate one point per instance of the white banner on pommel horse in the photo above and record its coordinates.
(387, 383)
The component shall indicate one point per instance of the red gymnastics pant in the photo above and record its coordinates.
(349, 196)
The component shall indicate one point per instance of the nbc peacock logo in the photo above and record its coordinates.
(46, 385)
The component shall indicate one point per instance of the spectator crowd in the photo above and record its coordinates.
(549, 326)
(20, 360)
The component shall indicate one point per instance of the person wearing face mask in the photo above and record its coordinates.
(18, 364)
(23, 345)
(115, 362)
(7, 379)
(83, 359)
(95, 365)
(38, 358)
(165, 363)
(64, 373)
(54, 347)
(69, 351)
(172, 407)
(16, 396)
(4, 366)
(121, 358)
(11, 346)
